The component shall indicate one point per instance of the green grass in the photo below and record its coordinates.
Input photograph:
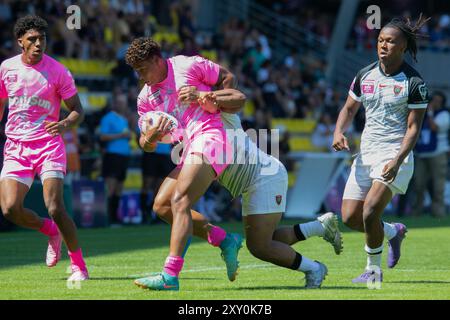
(116, 256)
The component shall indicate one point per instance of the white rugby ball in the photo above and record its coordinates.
(151, 118)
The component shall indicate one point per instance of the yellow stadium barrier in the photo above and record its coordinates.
(295, 125)
(303, 144)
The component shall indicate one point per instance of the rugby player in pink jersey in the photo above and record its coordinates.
(168, 87)
(33, 84)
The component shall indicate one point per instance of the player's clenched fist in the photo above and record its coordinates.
(340, 142)
(208, 102)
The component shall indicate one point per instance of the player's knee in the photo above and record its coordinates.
(55, 210)
(10, 211)
(370, 214)
(350, 220)
(179, 201)
(161, 206)
(347, 219)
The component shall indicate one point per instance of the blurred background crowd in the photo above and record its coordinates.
(291, 94)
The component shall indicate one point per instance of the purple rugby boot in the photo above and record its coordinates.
(395, 244)
(369, 275)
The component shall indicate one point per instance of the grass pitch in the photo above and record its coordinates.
(117, 256)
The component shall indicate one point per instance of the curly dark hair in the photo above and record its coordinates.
(140, 50)
(410, 31)
(27, 23)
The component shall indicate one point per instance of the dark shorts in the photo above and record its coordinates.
(156, 165)
(115, 166)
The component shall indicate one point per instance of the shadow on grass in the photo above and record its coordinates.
(31, 245)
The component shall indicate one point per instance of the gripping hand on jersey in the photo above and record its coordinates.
(206, 100)
(390, 171)
(55, 128)
(340, 142)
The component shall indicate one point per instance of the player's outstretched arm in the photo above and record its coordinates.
(345, 118)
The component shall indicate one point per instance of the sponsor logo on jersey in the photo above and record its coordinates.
(23, 102)
(368, 86)
(11, 78)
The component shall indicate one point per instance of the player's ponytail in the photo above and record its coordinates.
(410, 31)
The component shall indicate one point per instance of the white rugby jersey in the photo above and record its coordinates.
(248, 159)
(387, 100)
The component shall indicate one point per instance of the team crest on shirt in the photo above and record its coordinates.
(397, 89)
(278, 199)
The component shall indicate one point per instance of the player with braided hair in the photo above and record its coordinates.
(395, 99)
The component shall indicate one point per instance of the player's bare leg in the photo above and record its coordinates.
(259, 230)
(53, 198)
(163, 208)
(352, 216)
(229, 243)
(376, 201)
(12, 197)
(193, 181)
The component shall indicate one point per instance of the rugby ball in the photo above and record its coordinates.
(151, 118)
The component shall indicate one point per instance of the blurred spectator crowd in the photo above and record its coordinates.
(434, 36)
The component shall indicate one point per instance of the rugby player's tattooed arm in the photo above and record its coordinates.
(415, 119)
(74, 118)
(344, 121)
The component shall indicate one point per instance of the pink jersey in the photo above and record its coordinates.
(35, 93)
(192, 71)
(204, 131)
